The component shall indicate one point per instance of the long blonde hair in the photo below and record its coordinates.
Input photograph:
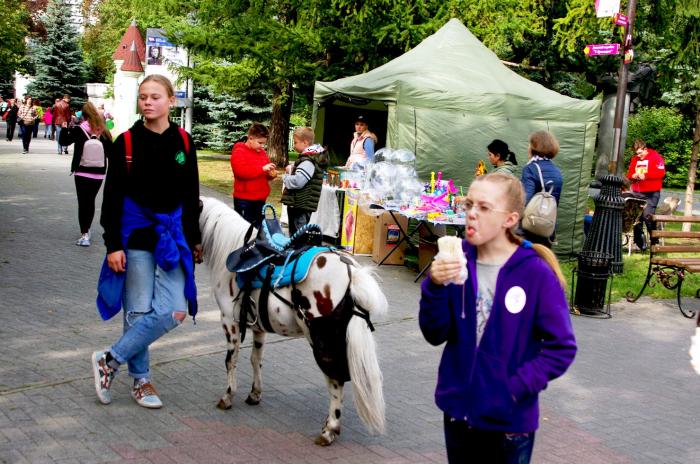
(516, 202)
(95, 119)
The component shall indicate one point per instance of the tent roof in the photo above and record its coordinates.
(452, 69)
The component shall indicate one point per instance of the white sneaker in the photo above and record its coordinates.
(145, 394)
(104, 375)
(84, 240)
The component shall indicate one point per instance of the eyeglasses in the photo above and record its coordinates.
(482, 208)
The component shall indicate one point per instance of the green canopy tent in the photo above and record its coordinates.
(446, 99)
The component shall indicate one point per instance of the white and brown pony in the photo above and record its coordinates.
(329, 278)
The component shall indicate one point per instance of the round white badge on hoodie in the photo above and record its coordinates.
(515, 299)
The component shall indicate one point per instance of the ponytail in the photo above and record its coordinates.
(545, 253)
(511, 157)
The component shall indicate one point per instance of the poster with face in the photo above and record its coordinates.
(155, 55)
(163, 57)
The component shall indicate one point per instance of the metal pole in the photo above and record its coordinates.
(618, 145)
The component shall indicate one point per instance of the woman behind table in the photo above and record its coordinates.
(88, 180)
(362, 145)
(150, 215)
(541, 151)
(506, 330)
(252, 172)
(501, 157)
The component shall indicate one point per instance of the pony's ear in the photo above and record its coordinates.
(201, 205)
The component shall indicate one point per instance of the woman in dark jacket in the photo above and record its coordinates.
(88, 179)
(11, 119)
(542, 150)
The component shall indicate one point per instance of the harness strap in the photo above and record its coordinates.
(245, 308)
(263, 309)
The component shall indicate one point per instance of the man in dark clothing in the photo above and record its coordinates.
(61, 114)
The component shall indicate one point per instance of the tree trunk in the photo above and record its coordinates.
(278, 143)
(692, 170)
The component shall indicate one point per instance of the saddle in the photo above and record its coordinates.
(271, 243)
(270, 261)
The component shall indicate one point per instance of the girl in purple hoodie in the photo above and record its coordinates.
(507, 330)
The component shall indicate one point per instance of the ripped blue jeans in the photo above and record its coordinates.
(152, 296)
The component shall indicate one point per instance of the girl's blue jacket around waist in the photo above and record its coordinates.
(528, 341)
(171, 251)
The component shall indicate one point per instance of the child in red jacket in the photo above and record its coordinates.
(252, 170)
(646, 171)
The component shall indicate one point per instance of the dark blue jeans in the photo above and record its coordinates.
(650, 208)
(251, 210)
(466, 444)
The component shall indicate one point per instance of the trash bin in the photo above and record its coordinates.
(593, 272)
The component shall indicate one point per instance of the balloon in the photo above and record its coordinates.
(110, 124)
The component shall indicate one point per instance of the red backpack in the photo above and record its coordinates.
(128, 149)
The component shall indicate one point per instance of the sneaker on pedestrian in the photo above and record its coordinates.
(104, 375)
(145, 394)
(24, 152)
(84, 240)
(65, 152)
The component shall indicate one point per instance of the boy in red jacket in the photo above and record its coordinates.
(646, 172)
(252, 170)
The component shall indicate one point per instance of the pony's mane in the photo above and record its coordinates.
(223, 231)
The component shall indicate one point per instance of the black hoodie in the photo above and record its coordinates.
(158, 180)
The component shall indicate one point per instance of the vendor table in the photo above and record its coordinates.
(414, 238)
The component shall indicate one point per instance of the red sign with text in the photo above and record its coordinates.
(602, 49)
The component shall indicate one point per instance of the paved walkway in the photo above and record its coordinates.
(629, 397)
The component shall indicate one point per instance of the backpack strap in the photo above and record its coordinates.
(128, 153)
(542, 179)
(127, 150)
(185, 139)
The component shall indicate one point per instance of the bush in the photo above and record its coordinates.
(666, 131)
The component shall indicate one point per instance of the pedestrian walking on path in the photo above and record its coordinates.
(506, 329)
(61, 114)
(27, 117)
(11, 119)
(92, 144)
(150, 214)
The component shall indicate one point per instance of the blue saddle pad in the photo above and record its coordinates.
(282, 275)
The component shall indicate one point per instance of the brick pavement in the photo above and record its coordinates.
(629, 397)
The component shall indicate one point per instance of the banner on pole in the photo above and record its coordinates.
(606, 8)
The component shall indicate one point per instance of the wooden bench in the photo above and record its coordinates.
(664, 264)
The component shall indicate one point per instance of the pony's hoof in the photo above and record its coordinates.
(324, 440)
(252, 401)
(224, 404)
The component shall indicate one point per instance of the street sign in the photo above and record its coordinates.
(606, 8)
(602, 49)
(621, 20)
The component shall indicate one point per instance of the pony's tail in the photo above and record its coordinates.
(362, 351)
(365, 375)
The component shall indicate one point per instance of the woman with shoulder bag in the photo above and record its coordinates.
(88, 169)
(26, 116)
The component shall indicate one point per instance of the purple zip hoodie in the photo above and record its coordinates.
(528, 341)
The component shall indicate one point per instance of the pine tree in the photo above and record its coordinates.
(58, 59)
(220, 119)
